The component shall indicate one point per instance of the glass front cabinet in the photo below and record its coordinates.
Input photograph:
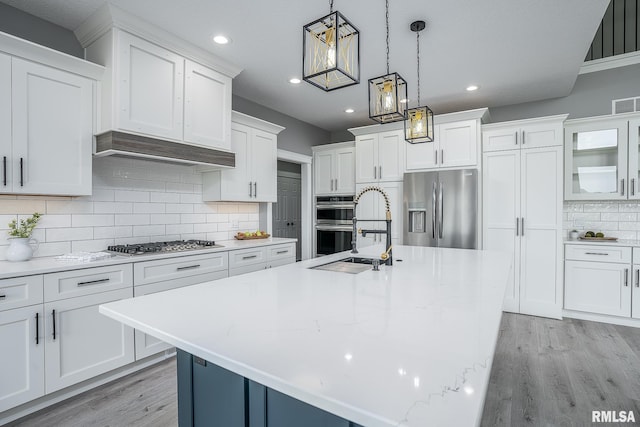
(601, 158)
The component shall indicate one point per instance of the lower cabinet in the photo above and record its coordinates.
(82, 343)
(211, 395)
(602, 279)
(248, 260)
(22, 356)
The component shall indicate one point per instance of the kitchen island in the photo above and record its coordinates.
(409, 345)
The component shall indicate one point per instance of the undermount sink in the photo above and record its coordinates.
(351, 265)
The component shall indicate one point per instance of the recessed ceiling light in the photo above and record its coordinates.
(471, 88)
(294, 81)
(220, 39)
(349, 110)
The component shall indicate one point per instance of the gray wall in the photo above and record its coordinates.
(29, 27)
(591, 96)
(342, 136)
(298, 136)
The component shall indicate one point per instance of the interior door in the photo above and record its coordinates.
(500, 213)
(5, 123)
(541, 228)
(287, 211)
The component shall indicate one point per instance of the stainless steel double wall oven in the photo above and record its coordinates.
(334, 216)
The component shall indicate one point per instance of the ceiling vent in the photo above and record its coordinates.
(625, 105)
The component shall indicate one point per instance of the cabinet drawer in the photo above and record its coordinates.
(179, 283)
(75, 283)
(279, 252)
(598, 253)
(20, 292)
(244, 257)
(179, 268)
(246, 269)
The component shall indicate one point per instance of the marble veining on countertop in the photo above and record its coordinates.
(51, 264)
(409, 345)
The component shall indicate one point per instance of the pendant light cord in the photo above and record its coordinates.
(387, 20)
(418, 60)
(330, 7)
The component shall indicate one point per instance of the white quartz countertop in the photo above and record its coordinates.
(619, 242)
(51, 264)
(409, 345)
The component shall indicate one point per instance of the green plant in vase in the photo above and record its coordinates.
(20, 240)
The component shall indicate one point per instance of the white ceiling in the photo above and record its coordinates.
(515, 50)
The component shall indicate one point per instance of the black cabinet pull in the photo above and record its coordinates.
(4, 170)
(53, 316)
(93, 282)
(21, 172)
(3, 296)
(189, 267)
(37, 328)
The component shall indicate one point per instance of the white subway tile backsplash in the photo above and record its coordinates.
(615, 219)
(179, 228)
(69, 234)
(113, 207)
(69, 207)
(137, 201)
(131, 196)
(100, 220)
(138, 219)
(148, 230)
(193, 218)
(165, 197)
(151, 208)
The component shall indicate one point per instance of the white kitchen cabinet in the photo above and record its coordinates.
(150, 88)
(157, 90)
(635, 292)
(372, 206)
(596, 156)
(380, 157)
(82, 343)
(522, 214)
(254, 177)
(254, 259)
(532, 133)
(634, 159)
(164, 274)
(455, 145)
(207, 108)
(47, 135)
(334, 169)
(22, 356)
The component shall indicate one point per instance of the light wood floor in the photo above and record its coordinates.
(545, 373)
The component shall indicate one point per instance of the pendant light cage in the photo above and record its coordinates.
(418, 122)
(387, 93)
(331, 52)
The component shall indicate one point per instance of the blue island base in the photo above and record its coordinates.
(211, 396)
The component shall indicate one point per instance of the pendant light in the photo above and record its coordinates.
(418, 123)
(387, 93)
(331, 52)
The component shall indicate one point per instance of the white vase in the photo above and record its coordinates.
(20, 249)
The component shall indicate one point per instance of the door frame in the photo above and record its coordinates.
(306, 213)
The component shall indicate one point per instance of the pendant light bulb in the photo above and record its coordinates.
(389, 103)
(331, 47)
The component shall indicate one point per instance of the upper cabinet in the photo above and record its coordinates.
(156, 92)
(46, 120)
(334, 169)
(380, 157)
(254, 179)
(601, 158)
(156, 84)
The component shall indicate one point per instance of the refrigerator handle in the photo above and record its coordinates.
(433, 211)
(517, 226)
(440, 210)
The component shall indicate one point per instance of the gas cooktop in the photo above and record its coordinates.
(156, 247)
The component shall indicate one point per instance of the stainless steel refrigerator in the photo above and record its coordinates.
(441, 209)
